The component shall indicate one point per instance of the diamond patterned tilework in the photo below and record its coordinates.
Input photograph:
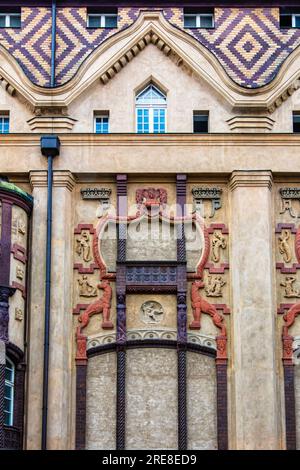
(247, 42)
(31, 45)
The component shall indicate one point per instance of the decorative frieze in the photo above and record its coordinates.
(151, 275)
(288, 196)
(155, 333)
(213, 194)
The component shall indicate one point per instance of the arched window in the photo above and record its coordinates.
(151, 106)
(9, 393)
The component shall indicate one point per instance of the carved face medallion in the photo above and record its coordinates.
(151, 312)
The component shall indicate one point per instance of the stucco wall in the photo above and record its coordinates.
(101, 402)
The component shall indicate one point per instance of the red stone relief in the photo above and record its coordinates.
(102, 305)
(200, 305)
(81, 341)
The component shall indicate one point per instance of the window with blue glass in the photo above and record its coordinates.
(151, 107)
(102, 124)
(4, 124)
(9, 393)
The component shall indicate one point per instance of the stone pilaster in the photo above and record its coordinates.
(255, 401)
(60, 433)
(38, 181)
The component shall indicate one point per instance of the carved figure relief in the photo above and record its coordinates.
(214, 286)
(200, 305)
(288, 195)
(18, 314)
(102, 305)
(85, 288)
(290, 291)
(151, 312)
(20, 273)
(83, 248)
(218, 242)
(18, 226)
(284, 246)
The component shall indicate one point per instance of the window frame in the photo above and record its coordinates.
(150, 107)
(198, 20)
(102, 17)
(4, 116)
(7, 17)
(202, 113)
(10, 384)
(101, 115)
(293, 14)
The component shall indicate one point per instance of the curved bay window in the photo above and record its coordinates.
(9, 393)
(151, 107)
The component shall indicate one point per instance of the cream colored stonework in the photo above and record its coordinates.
(249, 167)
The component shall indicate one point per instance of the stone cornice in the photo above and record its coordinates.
(63, 179)
(38, 179)
(105, 140)
(251, 178)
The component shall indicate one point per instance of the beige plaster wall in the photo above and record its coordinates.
(184, 95)
(151, 399)
(19, 111)
(201, 402)
(101, 402)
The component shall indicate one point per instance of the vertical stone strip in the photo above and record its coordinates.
(5, 241)
(222, 405)
(121, 311)
(255, 399)
(181, 314)
(61, 328)
(81, 372)
(290, 407)
(38, 181)
(2, 388)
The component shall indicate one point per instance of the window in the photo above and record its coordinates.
(198, 19)
(102, 123)
(9, 393)
(296, 122)
(289, 19)
(200, 122)
(10, 20)
(151, 107)
(102, 19)
(4, 124)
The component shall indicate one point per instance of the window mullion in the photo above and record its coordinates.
(151, 119)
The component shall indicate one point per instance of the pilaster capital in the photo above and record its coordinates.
(251, 178)
(38, 178)
(63, 179)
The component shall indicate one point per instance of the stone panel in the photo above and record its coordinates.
(151, 399)
(201, 402)
(101, 402)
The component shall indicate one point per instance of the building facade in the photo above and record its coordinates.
(149, 225)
